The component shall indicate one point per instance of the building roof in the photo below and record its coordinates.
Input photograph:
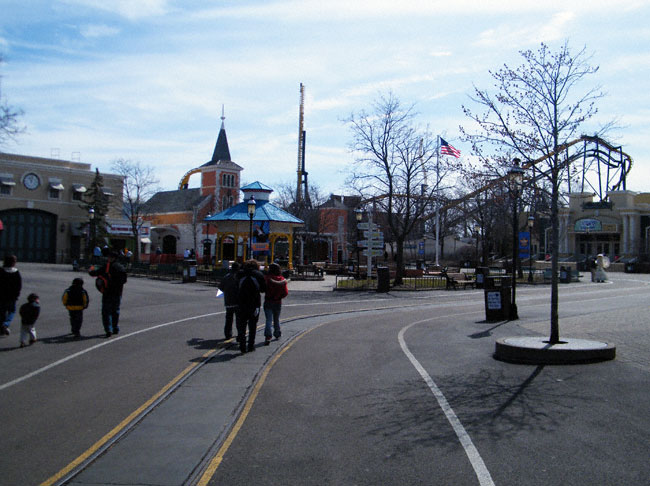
(174, 201)
(264, 211)
(221, 151)
(257, 186)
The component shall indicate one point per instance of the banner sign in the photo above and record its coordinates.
(587, 225)
(524, 244)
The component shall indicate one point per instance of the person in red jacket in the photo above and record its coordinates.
(276, 290)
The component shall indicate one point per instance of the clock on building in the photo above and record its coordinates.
(31, 181)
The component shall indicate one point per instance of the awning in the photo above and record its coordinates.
(5, 181)
(57, 186)
(145, 240)
(79, 188)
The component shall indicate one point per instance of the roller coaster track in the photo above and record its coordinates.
(611, 168)
(185, 180)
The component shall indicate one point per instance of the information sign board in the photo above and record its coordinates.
(373, 253)
(366, 226)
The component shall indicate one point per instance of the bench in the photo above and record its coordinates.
(309, 270)
(456, 279)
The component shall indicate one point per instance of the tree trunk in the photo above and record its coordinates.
(399, 262)
(555, 250)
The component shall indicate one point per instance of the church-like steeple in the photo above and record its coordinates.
(221, 152)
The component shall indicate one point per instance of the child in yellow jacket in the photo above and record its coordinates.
(75, 299)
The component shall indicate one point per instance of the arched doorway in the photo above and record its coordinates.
(228, 248)
(169, 245)
(30, 234)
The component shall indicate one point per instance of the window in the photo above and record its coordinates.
(55, 188)
(228, 180)
(78, 191)
(6, 184)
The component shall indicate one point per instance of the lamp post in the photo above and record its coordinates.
(358, 214)
(209, 242)
(516, 175)
(477, 232)
(91, 216)
(251, 212)
(531, 222)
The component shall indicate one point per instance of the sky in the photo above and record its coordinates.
(146, 80)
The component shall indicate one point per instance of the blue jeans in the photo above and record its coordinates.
(111, 312)
(272, 313)
(7, 312)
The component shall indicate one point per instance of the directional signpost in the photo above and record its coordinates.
(374, 244)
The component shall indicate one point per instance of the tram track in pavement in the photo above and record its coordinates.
(130, 422)
(121, 430)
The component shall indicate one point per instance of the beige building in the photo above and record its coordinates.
(41, 208)
(617, 227)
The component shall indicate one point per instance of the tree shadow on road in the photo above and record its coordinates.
(489, 403)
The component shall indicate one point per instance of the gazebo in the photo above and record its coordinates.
(271, 229)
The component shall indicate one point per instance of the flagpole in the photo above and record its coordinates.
(437, 202)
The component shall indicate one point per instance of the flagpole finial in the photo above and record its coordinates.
(223, 116)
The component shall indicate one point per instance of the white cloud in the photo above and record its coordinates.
(130, 9)
(92, 31)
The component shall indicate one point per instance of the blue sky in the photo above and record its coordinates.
(146, 79)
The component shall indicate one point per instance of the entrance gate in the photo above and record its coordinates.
(30, 234)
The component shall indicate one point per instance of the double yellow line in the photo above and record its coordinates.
(123, 424)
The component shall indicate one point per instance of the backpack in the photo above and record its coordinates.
(101, 282)
(249, 292)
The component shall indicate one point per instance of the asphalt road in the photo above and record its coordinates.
(361, 389)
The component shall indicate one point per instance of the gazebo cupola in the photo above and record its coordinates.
(258, 190)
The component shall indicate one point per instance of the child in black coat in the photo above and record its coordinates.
(75, 299)
(29, 312)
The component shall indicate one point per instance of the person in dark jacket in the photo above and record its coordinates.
(75, 299)
(29, 312)
(251, 285)
(229, 285)
(10, 287)
(114, 277)
(276, 290)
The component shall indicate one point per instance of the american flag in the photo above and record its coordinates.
(446, 149)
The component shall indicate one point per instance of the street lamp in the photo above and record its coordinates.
(531, 222)
(91, 216)
(209, 242)
(477, 232)
(516, 175)
(358, 214)
(251, 212)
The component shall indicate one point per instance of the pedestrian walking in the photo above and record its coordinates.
(110, 282)
(10, 286)
(75, 299)
(251, 286)
(276, 290)
(229, 285)
(29, 312)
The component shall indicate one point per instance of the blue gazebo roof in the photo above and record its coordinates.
(264, 211)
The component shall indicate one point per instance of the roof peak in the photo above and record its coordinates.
(221, 150)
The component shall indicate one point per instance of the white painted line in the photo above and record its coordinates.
(96, 346)
(482, 473)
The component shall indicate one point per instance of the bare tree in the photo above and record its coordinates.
(538, 106)
(9, 119)
(140, 184)
(393, 160)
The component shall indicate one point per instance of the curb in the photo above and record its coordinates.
(537, 350)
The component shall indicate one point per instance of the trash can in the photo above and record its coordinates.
(481, 274)
(383, 279)
(497, 297)
(189, 271)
